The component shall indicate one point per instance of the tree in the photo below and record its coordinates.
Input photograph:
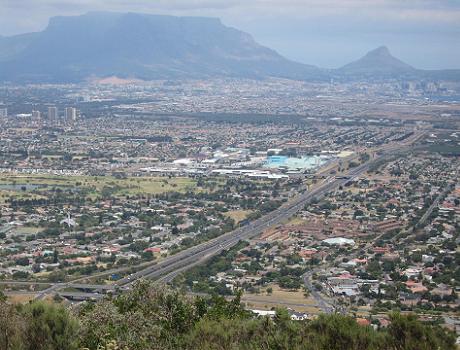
(23, 261)
(289, 282)
(57, 298)
(12, 326)
(407, 333)
(153, 318)
(49, 327)
(67, 157)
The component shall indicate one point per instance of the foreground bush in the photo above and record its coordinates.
(149, 318)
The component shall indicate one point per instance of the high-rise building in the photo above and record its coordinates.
(70, 114)
(36, 115)
(53, 114)
(3, 112)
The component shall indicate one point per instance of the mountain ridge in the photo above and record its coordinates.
(148, 47)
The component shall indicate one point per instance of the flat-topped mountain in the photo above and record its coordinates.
(135, 46)
(141, 46)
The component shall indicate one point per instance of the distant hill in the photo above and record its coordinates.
(131, 46)
(141, 46)
(380, 64)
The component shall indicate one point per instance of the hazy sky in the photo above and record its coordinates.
(327, 33)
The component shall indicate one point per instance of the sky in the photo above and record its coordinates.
(326, 33)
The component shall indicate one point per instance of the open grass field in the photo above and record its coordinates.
(281, 298)
(238, 215)
(27, 230)
(32, 186)
(21, 298)
(5, 195)
(157, 185)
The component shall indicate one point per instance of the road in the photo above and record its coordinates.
(323, 304)
(167, 269)
(409, 233)
(435, 203)
(170, 267)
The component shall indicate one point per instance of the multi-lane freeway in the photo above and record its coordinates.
(170, 267)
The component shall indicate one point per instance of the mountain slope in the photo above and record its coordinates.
(142, 46)
(378, 63)
(10, 47)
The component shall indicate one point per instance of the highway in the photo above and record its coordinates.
(170, 267)
(167, 269)
(67, 285)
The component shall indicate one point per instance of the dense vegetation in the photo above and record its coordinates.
(152, 318)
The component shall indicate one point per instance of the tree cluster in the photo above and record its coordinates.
(151, 318)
